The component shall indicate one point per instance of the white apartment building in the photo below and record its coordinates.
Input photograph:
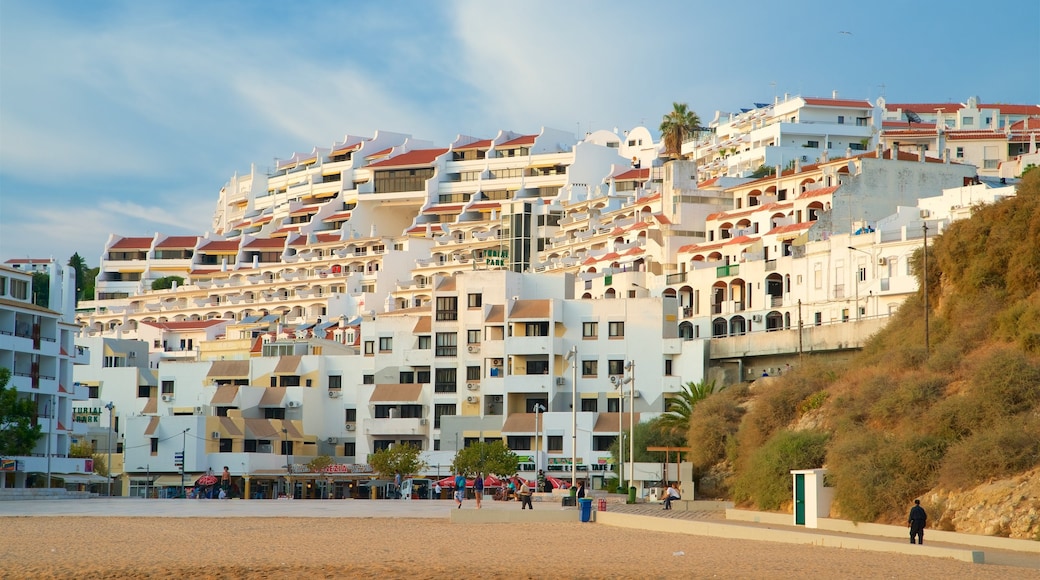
(37, 346)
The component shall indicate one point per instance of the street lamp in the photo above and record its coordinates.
(288, 471)
(184, 445)
(148, 480)
(924, 250)
(630, 366)
(572, 355)
(109, 406)
(538, 408)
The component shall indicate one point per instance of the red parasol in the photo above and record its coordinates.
(206, 480)
(557, 483)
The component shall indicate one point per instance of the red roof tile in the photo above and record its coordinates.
(416, 157)
(223, 246)
(345, 149)
(482, 144)
(966, 135)
(522, 140)
(1014, 109)
(178, 242)
(187, 324)
(714, 246)
(437, 209)
(382, 153)
(790, 228)
(132, 244)
(819, 192)
(633, 175)
(485, 205)
(266, 243)
(708, 183)
(818, 102)
(924, 107)
(305, 210)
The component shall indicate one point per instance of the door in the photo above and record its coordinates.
(799, 499)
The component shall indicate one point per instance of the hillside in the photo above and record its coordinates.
(957, 424)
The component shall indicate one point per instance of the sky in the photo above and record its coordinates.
(128, 117)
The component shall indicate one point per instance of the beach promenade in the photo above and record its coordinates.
(125, 537)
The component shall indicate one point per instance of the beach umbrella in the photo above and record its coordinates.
(557, 483)
(446, 482)
(206, 480)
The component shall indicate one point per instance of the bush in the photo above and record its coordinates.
(909, 398)
(1006, 449)
(713, 424)
(767, 480)
(1005, 380)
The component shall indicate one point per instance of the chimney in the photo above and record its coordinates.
(848, 152)
(823, 156)
(920, 153)
(946, 156)
(895, 151)
(834, 95)
(797, 165)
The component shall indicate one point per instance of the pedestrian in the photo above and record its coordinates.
(512, 490)
(478, 488)
(436, 490)
(580, 493)
(540, 482)
(525, 495)
(918, 518)
(225, 481)
(671, 495)
(460, 489)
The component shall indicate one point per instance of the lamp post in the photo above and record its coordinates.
(572, 355)
(538, 408)
(924, 278)
(148, 480)
(184, 446)
(630, 366)
(289, 493)
(109, 406)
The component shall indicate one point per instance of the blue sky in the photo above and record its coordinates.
(128, 117)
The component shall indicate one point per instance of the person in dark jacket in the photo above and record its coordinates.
(918, 518)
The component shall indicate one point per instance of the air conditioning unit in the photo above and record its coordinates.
(131, 354)
(167, 398)
(925, 213)
(332, 440)
(496, 362)
(472, 399)
(293, 404)
(350, 427)
(756, 318)
(882, 261)
(424, 421)
(474, 348)
(334, 394)
(215, 434)
(473, 386)
(637, 395)
(560, 381)
(198, 410)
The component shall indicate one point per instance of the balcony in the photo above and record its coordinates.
(396, 426)
(679, 278)
(724, 271)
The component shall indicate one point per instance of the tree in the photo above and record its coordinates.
(676, 418)
(18, 433)
(487, 457)
(88, 283)
(400, 460)
(166, 282)
(319, 464)
(649, 434)
(80, 266)
(676, 126)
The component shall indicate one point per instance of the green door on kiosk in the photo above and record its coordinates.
(799, 499)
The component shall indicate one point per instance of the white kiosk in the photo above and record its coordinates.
(812, 500)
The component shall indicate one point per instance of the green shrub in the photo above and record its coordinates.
(1004, 449)
(712, 424)
(767, 480)
(813, 402)
(909, 398)
(1005, 380)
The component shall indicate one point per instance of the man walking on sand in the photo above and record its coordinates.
(525, 496)
(916, 521)
(478, 489)
(460, 489)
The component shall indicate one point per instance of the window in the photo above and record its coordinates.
(518, 443)
(537, 329)
(447, 308)
(589, 368)
(386, 344)
(422, 375)
(589, 329)
(368, 379)
(447, 344)
(812, 144)
(439, 411)
(370, 347)
(615, 367)
(537, 367)
(667, 367)
(841, 119)
(349, 449)
(424, 343)
(249, 446)
(474, 300)
(472, 373)
(406, 377)
(350, 415)
(144, 391)
(94, 392)
(555, 443)
(274, 413)
(167, 387)
(155, 445)
(968, 121)
(335, 382)
(472, 337)
(447, 380)
(225, 446)
(616, 330)
(960, 152)
(612, 404)
(590, 405)
(601, 443)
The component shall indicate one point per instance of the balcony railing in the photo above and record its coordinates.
(724, 271)
(679, 278)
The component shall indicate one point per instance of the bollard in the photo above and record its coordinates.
(602, 504)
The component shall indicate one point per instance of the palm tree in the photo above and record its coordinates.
(676, 126)
(676, 418)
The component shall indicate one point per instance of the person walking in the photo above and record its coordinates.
(525, 495)
(478, 489)
(671, 495)
(917, 520)
(225, 482)
(436, 490)
(580, 490)
(460, 489)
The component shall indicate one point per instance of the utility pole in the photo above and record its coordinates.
(924, 249)
(110, 406)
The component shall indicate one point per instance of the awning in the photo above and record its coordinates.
(81, 479)
(175, 480)
(229, 369)
(273, 397)
(423, 325)
(496, 313)
(228, 428)
(537, 309)
(288, 365)
(261, 429)
(153, 423)
(608, 422)
(408, 393)
(225, 395)
(151, 407)
(519, 423)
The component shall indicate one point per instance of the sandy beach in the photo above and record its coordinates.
(280, 547)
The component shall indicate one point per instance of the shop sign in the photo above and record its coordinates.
(86, 414)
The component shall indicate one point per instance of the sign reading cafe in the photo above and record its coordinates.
(86, 414)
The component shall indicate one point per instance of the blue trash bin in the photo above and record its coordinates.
(585, 504)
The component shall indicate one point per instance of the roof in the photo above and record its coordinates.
(266, 243)
(260, 429)
(633, 174)
(790, 228)
(819, 192)
(225, 395)
(228, 369)
(405, 393)
(132, 244)
(481, 144)
(220, 246)
(422, 325)
(717, 245)
(847, 103)
(415, 157)
(288, 365)
(522, 140)
(178, 242)
(924, 107)
(530, 309)
(496, 313)
(608, 422)
(1014, 109)
(186, 325)
(519, 423)
(273, 397)
(31, 261)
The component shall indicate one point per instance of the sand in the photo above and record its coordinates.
(145, 547)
